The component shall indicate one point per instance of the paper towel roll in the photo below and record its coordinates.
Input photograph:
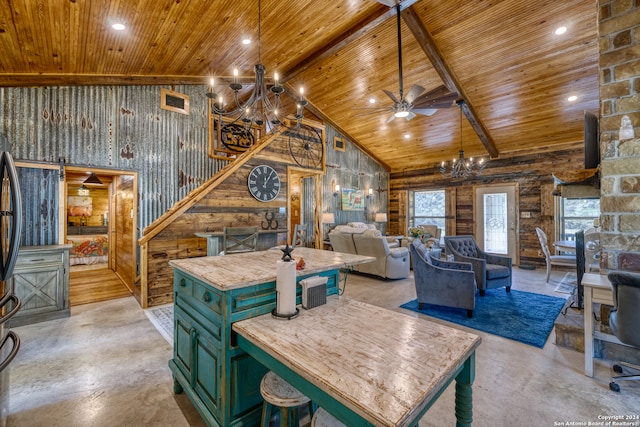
(285, 288)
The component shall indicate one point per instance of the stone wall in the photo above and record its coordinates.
(619, 33)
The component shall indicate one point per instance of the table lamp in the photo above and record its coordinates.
(328, 218)
(381, 218)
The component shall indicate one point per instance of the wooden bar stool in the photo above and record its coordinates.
(277, 393)
(324, 419)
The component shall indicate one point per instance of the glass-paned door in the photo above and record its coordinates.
(495, 223)
(495, 216)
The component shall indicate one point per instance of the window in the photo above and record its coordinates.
(576, 215)
(427, 207)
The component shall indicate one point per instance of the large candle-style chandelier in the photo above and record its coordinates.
(262, 106)
(461, 167)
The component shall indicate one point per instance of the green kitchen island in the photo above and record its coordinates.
(210, 294)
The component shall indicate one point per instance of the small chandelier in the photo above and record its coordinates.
(258, 109)
(461, 167)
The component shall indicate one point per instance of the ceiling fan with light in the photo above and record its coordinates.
(415, 101)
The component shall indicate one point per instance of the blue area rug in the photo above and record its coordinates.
(517, 315)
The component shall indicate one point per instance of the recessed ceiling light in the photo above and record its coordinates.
(118, 26)
(407, 135)
(246, 40)
(572, 98)
(560, 30)
(372, 100)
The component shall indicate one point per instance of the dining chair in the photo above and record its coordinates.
(560, 260)
(239, 239)
(592, 249)
(299, 235)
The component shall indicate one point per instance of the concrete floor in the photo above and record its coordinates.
(106, 365)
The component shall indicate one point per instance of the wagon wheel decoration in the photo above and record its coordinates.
(305, 146)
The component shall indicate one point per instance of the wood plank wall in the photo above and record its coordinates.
(100, 201)
(533, 173)
(230, 204)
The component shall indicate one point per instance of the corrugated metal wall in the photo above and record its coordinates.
(114, 127)
(352, 168)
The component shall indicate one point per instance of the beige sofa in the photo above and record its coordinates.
(391, 263)
(393, 242)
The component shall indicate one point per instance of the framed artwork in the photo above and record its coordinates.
(79, 206)
(174, 101)
(339, 144)
(228, 139)
(352, 200)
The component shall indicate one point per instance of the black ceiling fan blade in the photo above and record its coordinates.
(413, 93)
(392, 96)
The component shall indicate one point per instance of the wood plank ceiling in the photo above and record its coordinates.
(502, 57)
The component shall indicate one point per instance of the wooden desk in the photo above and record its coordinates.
(597, 289)
(364, 364)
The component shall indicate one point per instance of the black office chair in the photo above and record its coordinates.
(624, 319)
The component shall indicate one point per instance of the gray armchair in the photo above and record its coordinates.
(450, 284)
(492, 271)
(624, 319)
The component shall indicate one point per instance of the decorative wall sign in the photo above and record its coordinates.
(174, 101)
(352, 200)
(228, 139)
(339, 144)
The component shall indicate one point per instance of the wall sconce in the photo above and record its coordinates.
(336, 190)
(369, 192)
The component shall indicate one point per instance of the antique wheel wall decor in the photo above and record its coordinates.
(305, 146)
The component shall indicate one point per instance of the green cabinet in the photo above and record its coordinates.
(41, 281)
(221, 380)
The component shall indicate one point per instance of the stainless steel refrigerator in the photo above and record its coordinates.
(10, 231)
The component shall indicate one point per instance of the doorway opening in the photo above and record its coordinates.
(303, 195)
(99, 224)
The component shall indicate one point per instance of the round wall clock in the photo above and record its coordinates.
(264, 183)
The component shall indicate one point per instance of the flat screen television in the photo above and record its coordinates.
(591, 141)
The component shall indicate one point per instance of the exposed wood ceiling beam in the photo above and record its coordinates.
(381, 14)
(447, 75)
